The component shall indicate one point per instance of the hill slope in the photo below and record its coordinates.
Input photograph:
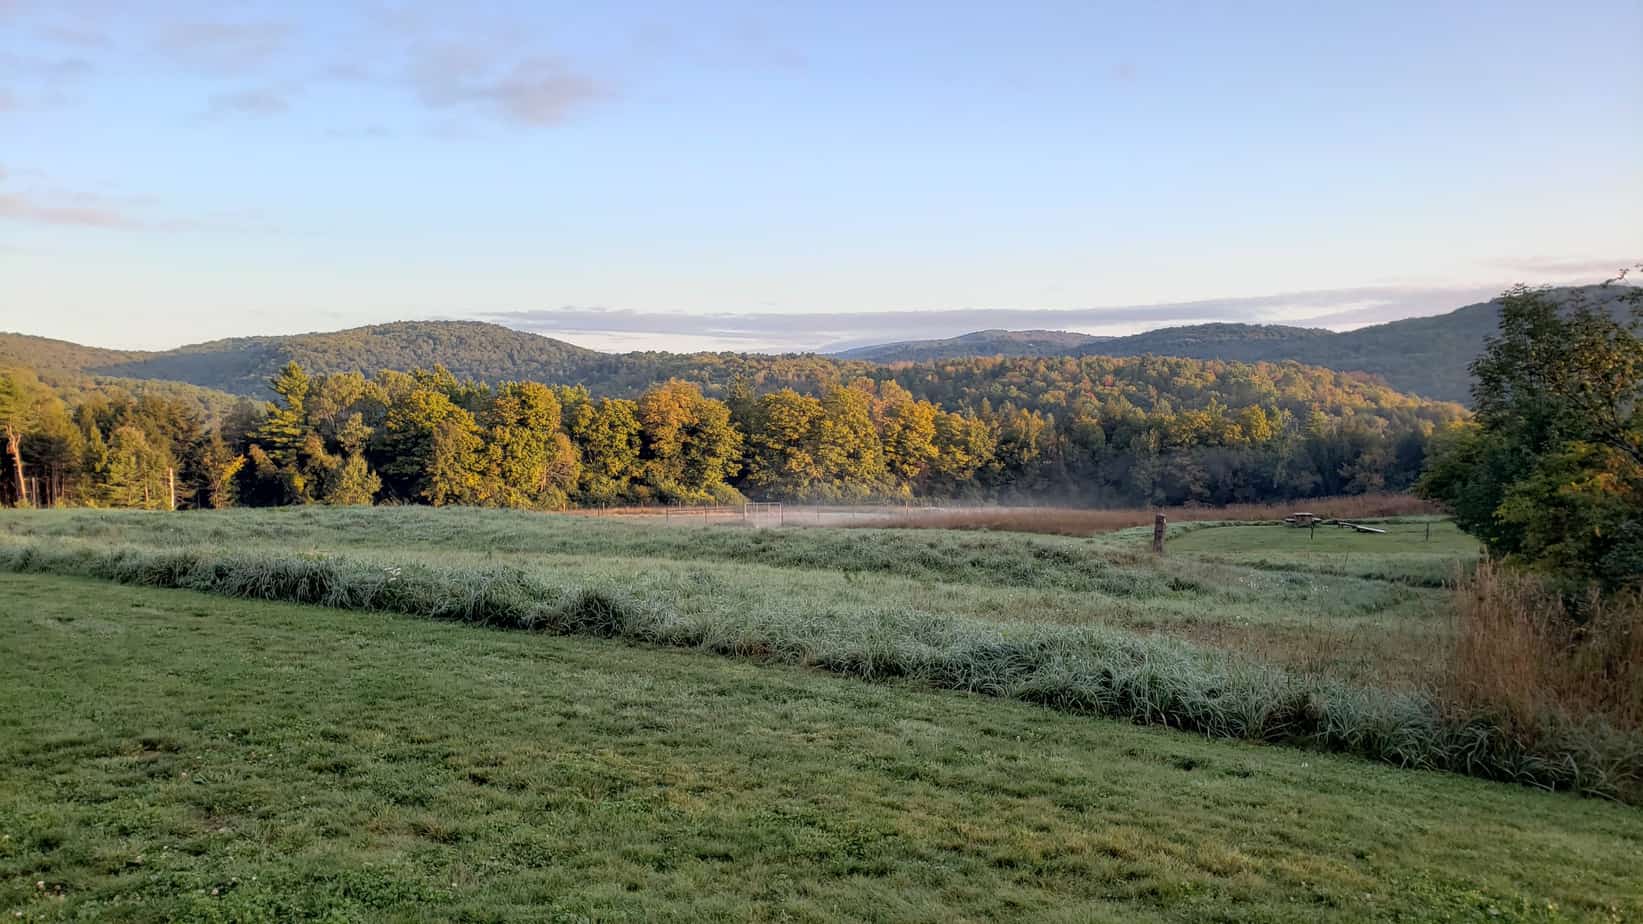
(471, 349)
(978, 343)
(56, 358)
(1425, 356)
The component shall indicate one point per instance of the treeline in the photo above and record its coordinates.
(1088, 430)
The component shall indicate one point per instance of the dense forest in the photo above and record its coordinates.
(1091, 430)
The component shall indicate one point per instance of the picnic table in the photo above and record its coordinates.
(1304, 520)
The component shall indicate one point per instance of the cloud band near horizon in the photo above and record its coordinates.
(1338, 309)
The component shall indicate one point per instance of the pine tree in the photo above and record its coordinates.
(137, 471)
(355, 484)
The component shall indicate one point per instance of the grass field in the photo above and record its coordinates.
(1423, 550)
(365, 765)
(1360, 630)
(173, 756)
(1085, 521)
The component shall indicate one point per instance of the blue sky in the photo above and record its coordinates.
(776, 176)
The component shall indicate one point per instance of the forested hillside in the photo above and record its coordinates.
(1090, 429)
(977, 343)
(1423, 356)
(476, 350)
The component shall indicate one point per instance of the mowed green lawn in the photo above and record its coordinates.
(1423, 551)
(176, 756)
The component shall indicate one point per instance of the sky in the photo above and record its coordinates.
(761, 176)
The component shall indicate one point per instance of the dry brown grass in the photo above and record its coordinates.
(1519, 649)
(1076, 521)
(1371, 657)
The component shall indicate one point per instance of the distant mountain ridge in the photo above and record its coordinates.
(1422, 356)
(994, 342)
(1426, 356)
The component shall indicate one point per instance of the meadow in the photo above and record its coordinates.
(1306, 617)
(180, 757)
(1085, 521)
(364, 764)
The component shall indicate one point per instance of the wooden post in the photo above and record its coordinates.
(1158, 534)
(1428, 530)
(1312, 530)
(13, 449)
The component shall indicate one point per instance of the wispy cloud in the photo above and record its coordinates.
(469, 66)
(537, 90)
(264, 101)
(1342, 308)
(77, 34)
(1569, 266)
(370, 130)
(38, 81)
(25, 209)
(229, 47)
(37, 203)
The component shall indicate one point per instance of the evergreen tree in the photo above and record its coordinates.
(355, 485)
(136, 475)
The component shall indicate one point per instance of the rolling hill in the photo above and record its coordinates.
(977, 343)
(471, 349)
(1425, 356)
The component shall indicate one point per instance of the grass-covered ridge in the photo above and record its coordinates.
(1076, 668)
(181, 757)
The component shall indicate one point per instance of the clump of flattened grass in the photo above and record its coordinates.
(1085, 669)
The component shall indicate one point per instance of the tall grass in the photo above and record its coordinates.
(1520, 650)
(1075, 521)
(1083, 669)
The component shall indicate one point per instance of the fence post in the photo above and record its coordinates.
(1428, 530)
(1158, 534)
